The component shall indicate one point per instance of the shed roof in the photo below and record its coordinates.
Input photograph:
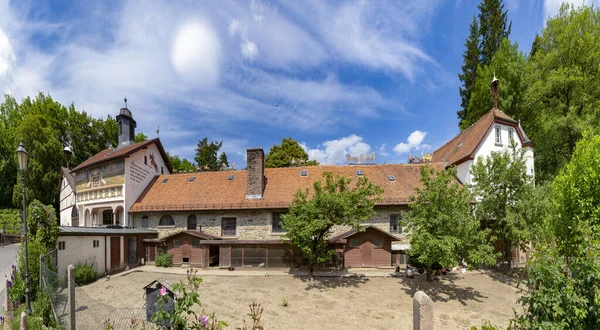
(353, 231)
(194, 233)
(214, 191)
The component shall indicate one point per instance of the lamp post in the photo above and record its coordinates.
(22, 158)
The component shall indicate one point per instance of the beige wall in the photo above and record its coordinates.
(251, 225)
(80, 249)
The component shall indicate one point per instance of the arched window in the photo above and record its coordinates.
(166, 220)
(145, 221)
(191, 225)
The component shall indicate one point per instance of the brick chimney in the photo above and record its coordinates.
(255, 165)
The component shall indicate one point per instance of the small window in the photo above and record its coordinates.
(378, 243)
(191, 222)
(511, 132)
(230, 177)
(391, 178)
(276, 223)
(304, 173)
(228, 227)
(166, 220)
(176, 243)
(162, 170)
(145, 221)
(165, 180)
(145, 160)
(354, 242)
(498, 136)
(96, 243)
(192, 179)
(359, 173)
(61, 245)
(196, 243)
(395, 224)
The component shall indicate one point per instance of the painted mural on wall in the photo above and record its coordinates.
(140, 169)
(106, 175)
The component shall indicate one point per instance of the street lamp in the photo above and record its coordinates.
(22, 158)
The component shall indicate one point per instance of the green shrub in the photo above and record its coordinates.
(84, 274)
(164, 260)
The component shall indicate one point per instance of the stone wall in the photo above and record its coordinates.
(251, 224)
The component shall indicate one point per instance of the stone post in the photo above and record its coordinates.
(71, 299)
(23, 323)
(422, 312)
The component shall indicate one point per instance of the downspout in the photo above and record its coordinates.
(105, 270)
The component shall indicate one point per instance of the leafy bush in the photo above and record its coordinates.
(35, 250)
(164, 260)
(84, 274)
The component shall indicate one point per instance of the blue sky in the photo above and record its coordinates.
(340, 78)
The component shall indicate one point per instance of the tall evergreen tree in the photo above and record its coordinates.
(469, 69)
(207, 155)
(493, 27)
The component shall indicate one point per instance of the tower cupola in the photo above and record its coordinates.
(126, 127)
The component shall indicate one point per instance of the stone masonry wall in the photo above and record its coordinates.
(251, 224)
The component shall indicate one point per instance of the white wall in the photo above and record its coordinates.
(489, 145)
(139, 174)
(80, 249)
(67, 200)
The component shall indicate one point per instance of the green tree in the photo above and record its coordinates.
(563, 93)
(207, 155)
(443, 230)
(510, 66)
(500, 181)
(140, 137)
(181, 165)
(335, 202)
(469, 70)
(8, 164)
(564, 277)
(282, 155)
(42, 223)
(493, 27)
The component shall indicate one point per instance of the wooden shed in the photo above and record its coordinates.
(369, 248)
(185, 247)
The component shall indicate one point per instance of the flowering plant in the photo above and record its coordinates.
(186, 296)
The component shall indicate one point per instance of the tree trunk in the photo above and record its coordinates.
(310, 269)
(507, 254)
(429, 273)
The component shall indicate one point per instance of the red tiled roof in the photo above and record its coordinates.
(110, 154)
(464, 145)
(213, 190)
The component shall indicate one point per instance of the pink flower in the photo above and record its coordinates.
(204, 319)
(163, 291)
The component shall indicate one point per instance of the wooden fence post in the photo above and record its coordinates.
(422, 311)
(71, 286)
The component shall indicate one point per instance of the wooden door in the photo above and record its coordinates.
(115, 253)
(367, 253)
(151, 251)
(185, 250)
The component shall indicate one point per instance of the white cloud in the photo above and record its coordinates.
(7, 57)
(196, 53)
(249, 50)
(552, 7)
(413, 142)
(383, 151)
(335, 151)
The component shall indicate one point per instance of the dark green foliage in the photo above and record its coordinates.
(335, 202)
(494, 27)
(35, 248)
(164, 260)
(442, 228)
(469, 70)
(42, 223)
(10, 221)
(84, 274)
(181, 165)
(282, 155)
(207, 156)
(140, 137)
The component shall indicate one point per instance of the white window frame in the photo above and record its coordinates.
(511, 134)
(498, 135)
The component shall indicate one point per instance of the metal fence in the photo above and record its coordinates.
(89, 312)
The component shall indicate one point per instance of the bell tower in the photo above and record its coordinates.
(126, 127)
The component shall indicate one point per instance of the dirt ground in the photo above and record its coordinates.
(460, 301)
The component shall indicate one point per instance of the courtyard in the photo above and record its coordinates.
(460, 300)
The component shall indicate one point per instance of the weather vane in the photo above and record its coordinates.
(125, 99)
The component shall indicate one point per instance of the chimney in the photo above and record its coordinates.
(255, 164)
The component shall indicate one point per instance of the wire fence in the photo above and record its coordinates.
(89, 312)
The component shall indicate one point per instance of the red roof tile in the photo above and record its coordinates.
(213, 190)
(464, 145)
(110, 154)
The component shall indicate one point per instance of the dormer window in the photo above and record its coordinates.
(498, 136)
(391, 178)
(230, 177)
(165, 180)
(359, 173)
(304, 173)
(192, 179)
